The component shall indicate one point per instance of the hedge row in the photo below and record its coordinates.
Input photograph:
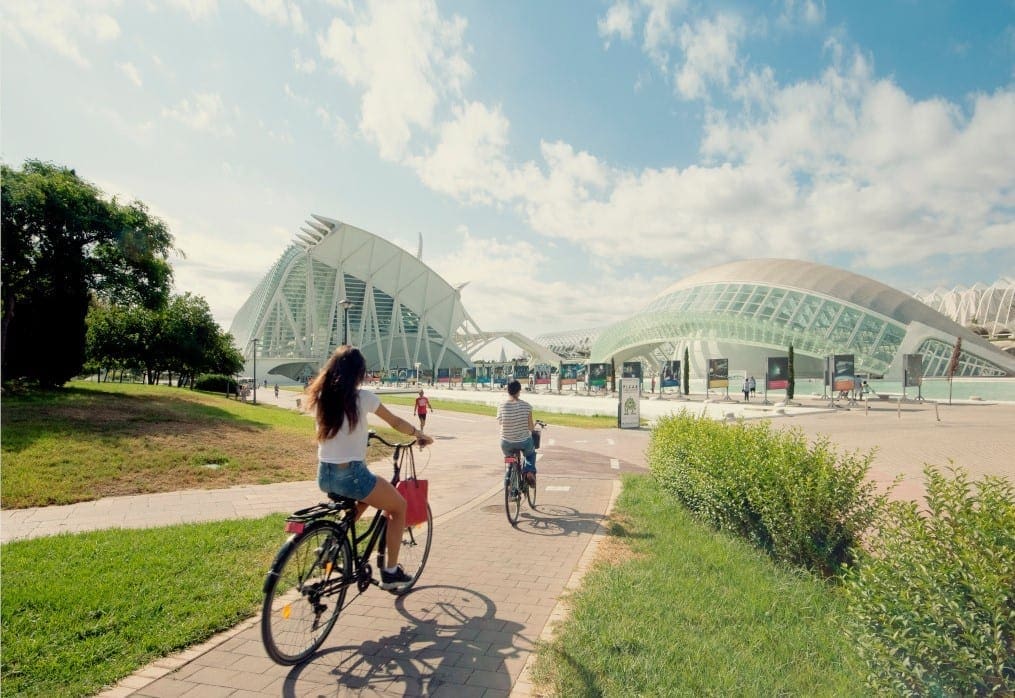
(933, 605)
(931, 590)
(803, 503)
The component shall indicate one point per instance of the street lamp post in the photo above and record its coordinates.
(255, 370)
(346, 304)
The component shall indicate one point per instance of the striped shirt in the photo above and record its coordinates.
(513, 416)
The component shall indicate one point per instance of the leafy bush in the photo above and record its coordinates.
(804, 504)
(934, 604)
(215, 383)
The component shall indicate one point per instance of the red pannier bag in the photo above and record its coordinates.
(415, 493)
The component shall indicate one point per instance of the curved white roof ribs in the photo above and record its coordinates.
(403, 313)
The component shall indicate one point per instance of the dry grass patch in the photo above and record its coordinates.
(101, 440)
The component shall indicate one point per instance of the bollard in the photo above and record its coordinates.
(866, 407)
(900, 408)
(936, 414)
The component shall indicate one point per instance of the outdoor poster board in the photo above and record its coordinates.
(670, 377)
(502, 374)
(631, 369)
(628, 408)
(521, 371)
(913, 372)
(843, 372)
(443, 375)
(778, 373)
(570, 374)
(718, 373)
(543, 372)
(484, 375)
(598, 374)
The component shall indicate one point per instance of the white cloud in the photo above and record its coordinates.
(619, 21)
(303, 65)
(806, 12)
(132, 73)
(203, 112)
(285, 13)
(197, 10)
(710, 53)
(515, 269)
(406, 57)
(63, 25)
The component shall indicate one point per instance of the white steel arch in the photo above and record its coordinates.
(402, 312)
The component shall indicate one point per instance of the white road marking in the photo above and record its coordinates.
(610, 442)
(615, 464)
(558, 488)
(581, 441)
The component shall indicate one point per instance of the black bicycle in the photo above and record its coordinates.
(515, 485)
(306, 587)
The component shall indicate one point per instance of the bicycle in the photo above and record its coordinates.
(515, 485)
(306, 586)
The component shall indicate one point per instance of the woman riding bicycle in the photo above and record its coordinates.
(340, 408)
(516, 425)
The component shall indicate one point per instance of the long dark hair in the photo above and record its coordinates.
(332, 393)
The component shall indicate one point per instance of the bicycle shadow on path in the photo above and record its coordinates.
(558, 520)
(454, 644)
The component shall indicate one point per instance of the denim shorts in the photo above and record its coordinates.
(353, 480)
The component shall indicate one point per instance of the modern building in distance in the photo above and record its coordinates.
(338, 282)
(749, 310)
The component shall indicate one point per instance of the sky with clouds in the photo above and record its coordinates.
(569, 160)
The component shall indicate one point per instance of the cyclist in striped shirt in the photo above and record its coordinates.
(516, 425)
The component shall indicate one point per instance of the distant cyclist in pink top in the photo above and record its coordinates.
(422, 407)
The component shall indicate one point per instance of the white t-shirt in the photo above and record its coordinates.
(347, 446)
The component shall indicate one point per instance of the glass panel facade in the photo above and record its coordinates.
(759, 315)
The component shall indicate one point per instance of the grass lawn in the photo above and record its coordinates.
(82, 611)
(564, 420)
(673, 609)
(93, 440)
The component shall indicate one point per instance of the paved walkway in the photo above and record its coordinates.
(490, 591)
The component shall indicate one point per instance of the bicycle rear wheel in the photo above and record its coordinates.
(415, 550)
(530, 494)
(304, 592)
(513, 494)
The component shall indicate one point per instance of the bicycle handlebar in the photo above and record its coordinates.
(540, 423)
(374, 435)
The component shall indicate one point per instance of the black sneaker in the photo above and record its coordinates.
(395, 580)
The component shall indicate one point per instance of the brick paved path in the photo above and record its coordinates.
(486, 596)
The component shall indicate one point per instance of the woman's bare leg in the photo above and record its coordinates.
(385, 497)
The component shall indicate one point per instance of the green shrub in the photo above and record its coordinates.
(934, 604)
(215, 383)
(804, 504)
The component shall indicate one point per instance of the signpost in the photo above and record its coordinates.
(628, 405)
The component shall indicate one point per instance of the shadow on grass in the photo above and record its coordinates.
(79, 412)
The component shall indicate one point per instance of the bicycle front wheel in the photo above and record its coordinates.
(513, 495)
(415, 550)
(304, 592)
(530, 494)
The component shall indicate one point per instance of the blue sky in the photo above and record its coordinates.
(570, 160)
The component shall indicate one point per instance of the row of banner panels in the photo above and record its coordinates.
(840, 373)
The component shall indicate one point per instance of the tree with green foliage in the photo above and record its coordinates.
(182, 338)
(64, 243)
(686, 380)
(791, 381)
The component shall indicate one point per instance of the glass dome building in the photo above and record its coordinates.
(400, 312)
(749, 310)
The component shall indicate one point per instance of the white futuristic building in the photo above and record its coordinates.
(987, 310)
(749, 310)
(336, 282)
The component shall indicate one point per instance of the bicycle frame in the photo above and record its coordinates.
(346, 511)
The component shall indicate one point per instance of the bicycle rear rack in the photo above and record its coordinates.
(297, 521)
